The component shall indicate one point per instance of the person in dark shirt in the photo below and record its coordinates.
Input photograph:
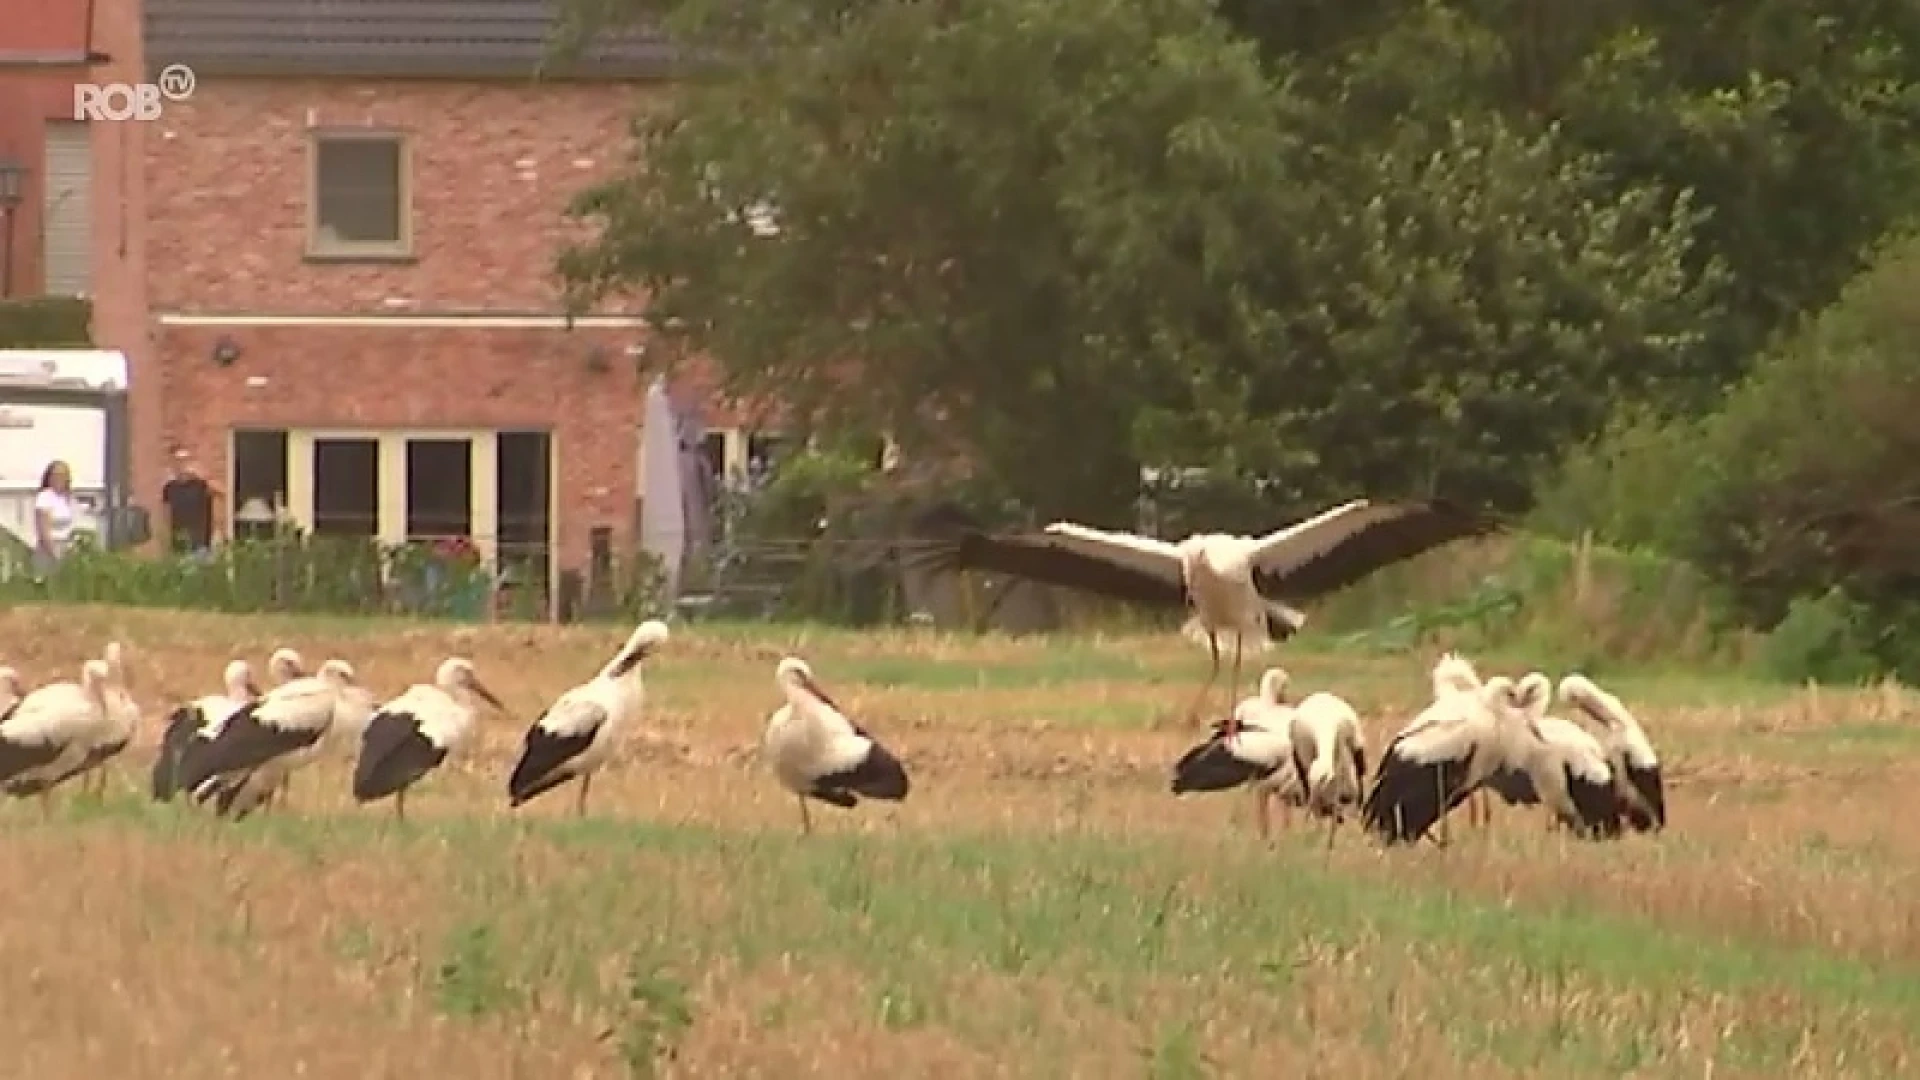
(188, 500)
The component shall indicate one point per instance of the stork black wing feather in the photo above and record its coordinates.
(1039, 559)
(243, 743)
(1412, 529)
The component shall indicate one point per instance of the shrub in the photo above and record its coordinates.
(45, 322)
(1802, 483)
(290, 572)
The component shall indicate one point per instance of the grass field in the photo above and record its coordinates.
(1039, 907)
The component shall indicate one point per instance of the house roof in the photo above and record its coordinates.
(449, 39)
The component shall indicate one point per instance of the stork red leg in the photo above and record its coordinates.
(1233, 688)
(1194, 713)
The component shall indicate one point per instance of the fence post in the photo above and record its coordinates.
(600, 584)
(566, 604)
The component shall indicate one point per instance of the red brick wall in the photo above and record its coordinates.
(493, 167)
(421, 378)
(29, 97)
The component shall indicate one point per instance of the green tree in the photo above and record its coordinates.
(972, 204)
(1791, 123)
(1070, 236)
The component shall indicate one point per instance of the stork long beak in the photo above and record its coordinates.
(818, 691)
(486, 695)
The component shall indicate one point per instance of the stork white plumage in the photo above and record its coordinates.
(1449, 749)
(1637, 778)
(1228, 584)
(283, 666)
(199, 719)
(1250, 754)
(1455, 674)
(817, 752)
(1329, 757)
(579, 731)
(11, 691)
(409, 736)
(1566, 766)
(1433, 768)
(120, 722)
(267, 739)
(45, 737)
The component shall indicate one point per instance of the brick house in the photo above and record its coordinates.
(332, 269)
(44, 50)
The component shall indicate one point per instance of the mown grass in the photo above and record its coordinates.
(1039, 907)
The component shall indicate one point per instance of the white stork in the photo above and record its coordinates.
(1567, 766)
(1636, 768)
(1433, 768)
(283, 666)
(120, 723)
(1231, 585)
(1250, 755)
(817, 752)
(1455, 674)
(1329, 757)
(268, 739)
(203, 714)
(409, 737)
(578, 732)
(46, 735)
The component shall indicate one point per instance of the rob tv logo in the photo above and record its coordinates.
(132, 101)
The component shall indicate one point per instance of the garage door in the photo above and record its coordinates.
(67, 221)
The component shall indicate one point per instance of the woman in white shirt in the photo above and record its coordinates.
(53, 513)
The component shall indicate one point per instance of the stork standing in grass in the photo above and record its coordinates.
(410, 736)
(1456, 698)
(204, 714)
(283, 666)
(817, 752)
(121, 722)
(1232, 585)
(1329, 757)
(269, 739)
(578, 732)
(1455, 674)
(1251, 755)
(47, 734)
(1636, 768)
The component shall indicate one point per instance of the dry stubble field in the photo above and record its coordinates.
(1040, 906)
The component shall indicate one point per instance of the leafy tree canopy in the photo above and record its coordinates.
(1067, 237)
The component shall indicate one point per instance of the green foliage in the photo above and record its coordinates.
(45, 322)
(1801, 485)
(1560, 605)
(290, 573)
(1065, 237)
(812, 542)
(1631, 486)
(1790, 123)
(1823, 640)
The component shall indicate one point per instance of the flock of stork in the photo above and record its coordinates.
(1476, 737)
(237, 750)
